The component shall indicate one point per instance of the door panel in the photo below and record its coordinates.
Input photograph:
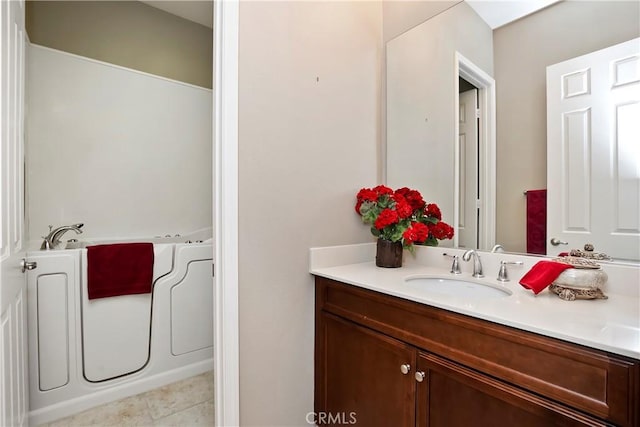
(468, 179)
(362, 379)
(593, 156)
(13, 329)
(192, 310)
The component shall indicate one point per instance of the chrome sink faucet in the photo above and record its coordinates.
(477, 265)
(52, 240)
(502, 273)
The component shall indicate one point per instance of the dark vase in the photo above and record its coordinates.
(388, 254)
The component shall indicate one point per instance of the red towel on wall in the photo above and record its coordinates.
(119, 269)
(537, 222)
(542, 275)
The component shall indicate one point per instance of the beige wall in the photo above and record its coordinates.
(522, 51)
(127, 33)
(400, 16)
(309, 113)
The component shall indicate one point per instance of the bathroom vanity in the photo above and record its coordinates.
(383, 358)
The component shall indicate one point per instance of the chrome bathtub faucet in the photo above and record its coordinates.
(52, 240)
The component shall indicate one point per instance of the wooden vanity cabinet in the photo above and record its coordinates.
(382, 361)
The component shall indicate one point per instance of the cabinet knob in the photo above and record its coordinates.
(405, 368)
(420, 376)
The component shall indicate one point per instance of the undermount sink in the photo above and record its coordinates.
(456, 287)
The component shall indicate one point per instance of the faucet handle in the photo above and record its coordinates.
(502, 272)
(455, 265)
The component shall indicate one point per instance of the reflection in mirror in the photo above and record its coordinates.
(421, 112)
(422, 76)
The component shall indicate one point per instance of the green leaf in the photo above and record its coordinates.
(431, 241)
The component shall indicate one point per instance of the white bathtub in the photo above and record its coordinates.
(84, 353)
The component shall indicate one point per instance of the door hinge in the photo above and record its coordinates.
(477, 113)
(213, 270)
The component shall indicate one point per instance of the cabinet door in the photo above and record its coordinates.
(451, 395)
(359, 377)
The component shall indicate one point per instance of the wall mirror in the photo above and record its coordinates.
(426, 147)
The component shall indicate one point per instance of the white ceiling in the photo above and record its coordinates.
(497, 13)
(200, 11)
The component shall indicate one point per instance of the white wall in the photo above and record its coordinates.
(421, 80)
(126, 153)
(309, 116)
(402, 15)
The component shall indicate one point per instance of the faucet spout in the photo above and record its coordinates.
(52, 240)
(477, 265)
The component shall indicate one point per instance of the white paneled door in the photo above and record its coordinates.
(468, 179)
(13, 289)
(593, 152)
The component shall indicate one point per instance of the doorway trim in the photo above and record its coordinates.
(226, 320)
(486, 151)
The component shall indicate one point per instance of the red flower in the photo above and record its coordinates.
(417, 232)
(433, 210)
(367, 194)
(386, 217)
(409, 236)
(382, 189)
(402, 207)
(358, 204)
(402, 191)
(413, 197)
(441, 231)
(421, 230)
(401, 215)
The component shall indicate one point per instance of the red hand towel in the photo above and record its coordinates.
(537, 221)
(542, 275)
(119, 269)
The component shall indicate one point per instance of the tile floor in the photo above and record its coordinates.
(186, 403)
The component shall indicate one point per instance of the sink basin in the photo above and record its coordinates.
(457, 287)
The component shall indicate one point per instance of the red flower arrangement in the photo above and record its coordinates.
(402, 216)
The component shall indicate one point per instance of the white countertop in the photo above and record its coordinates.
(611, 324)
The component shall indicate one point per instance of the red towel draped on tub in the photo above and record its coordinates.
(537, 222)
(119, 269)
